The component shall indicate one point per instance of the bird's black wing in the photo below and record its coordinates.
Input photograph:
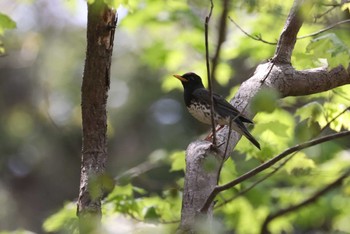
(221, 106)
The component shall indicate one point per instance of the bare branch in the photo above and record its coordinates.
(256, 182)
(221, 37)
(326, 12)
(268, 164)
(289, 33)
(254, 37)
(306, 202)
(138, 170)
(325, 29)
(206, 25)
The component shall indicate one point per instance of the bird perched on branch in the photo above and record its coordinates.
(197, 100)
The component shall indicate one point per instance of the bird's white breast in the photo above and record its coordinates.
(202, 113)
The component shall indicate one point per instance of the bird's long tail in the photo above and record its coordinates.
(244, 131)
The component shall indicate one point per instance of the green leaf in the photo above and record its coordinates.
(276, 127)
(305, 131)
(64, 221)
(300, 165)
(100, 185)
(265, 101)
(345, 6)
(139, 190)
(332, 111)
(330, 47)
(126, 190)
(151, 214)
(312, 111)
(223, 73)
(6, 23)
(178, 161)
(210, 163)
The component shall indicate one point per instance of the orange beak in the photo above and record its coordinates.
(180, 78)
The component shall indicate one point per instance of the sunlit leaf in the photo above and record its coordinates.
(126, 190)
(265, 101)
(300, 165)
(178, 161)
(305, 131)
(312, 111)
(276, 127)
(345, 6)
(100, 185)
(151, 214)
(65, 220)
(329, 46)
(6, 23)
(332, 112)
(223, 73)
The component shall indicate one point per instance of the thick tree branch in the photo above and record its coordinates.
(290, 82)
(202, 164)
(310, 200)
(268, 164)
(289, 33)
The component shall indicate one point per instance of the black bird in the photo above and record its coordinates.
(197, 100)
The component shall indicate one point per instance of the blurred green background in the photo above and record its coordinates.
(40, 81)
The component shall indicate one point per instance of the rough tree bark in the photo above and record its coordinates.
(277, 74)
(94, 93)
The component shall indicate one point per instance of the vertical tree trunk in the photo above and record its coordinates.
(94, 93)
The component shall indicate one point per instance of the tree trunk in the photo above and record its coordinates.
(94, 93)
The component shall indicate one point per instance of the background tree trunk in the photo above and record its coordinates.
(94, 93)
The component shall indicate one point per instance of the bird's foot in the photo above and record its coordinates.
(210, 136)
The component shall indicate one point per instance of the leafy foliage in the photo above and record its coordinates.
(5, 23)
(159, 38)
(65, 220)
(330, 47)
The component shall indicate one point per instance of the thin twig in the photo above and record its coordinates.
(138, 170)
(325, 13)
(221, 38)
(336, 117)
(254, 37)
(268, 73)
(268, 164)
(341, 95)
(206, 26)
(257, 182)
(306, 202)
(228, 136)
(160, 221)
(325, 29)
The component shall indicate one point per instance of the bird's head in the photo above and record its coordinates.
(190, 81)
